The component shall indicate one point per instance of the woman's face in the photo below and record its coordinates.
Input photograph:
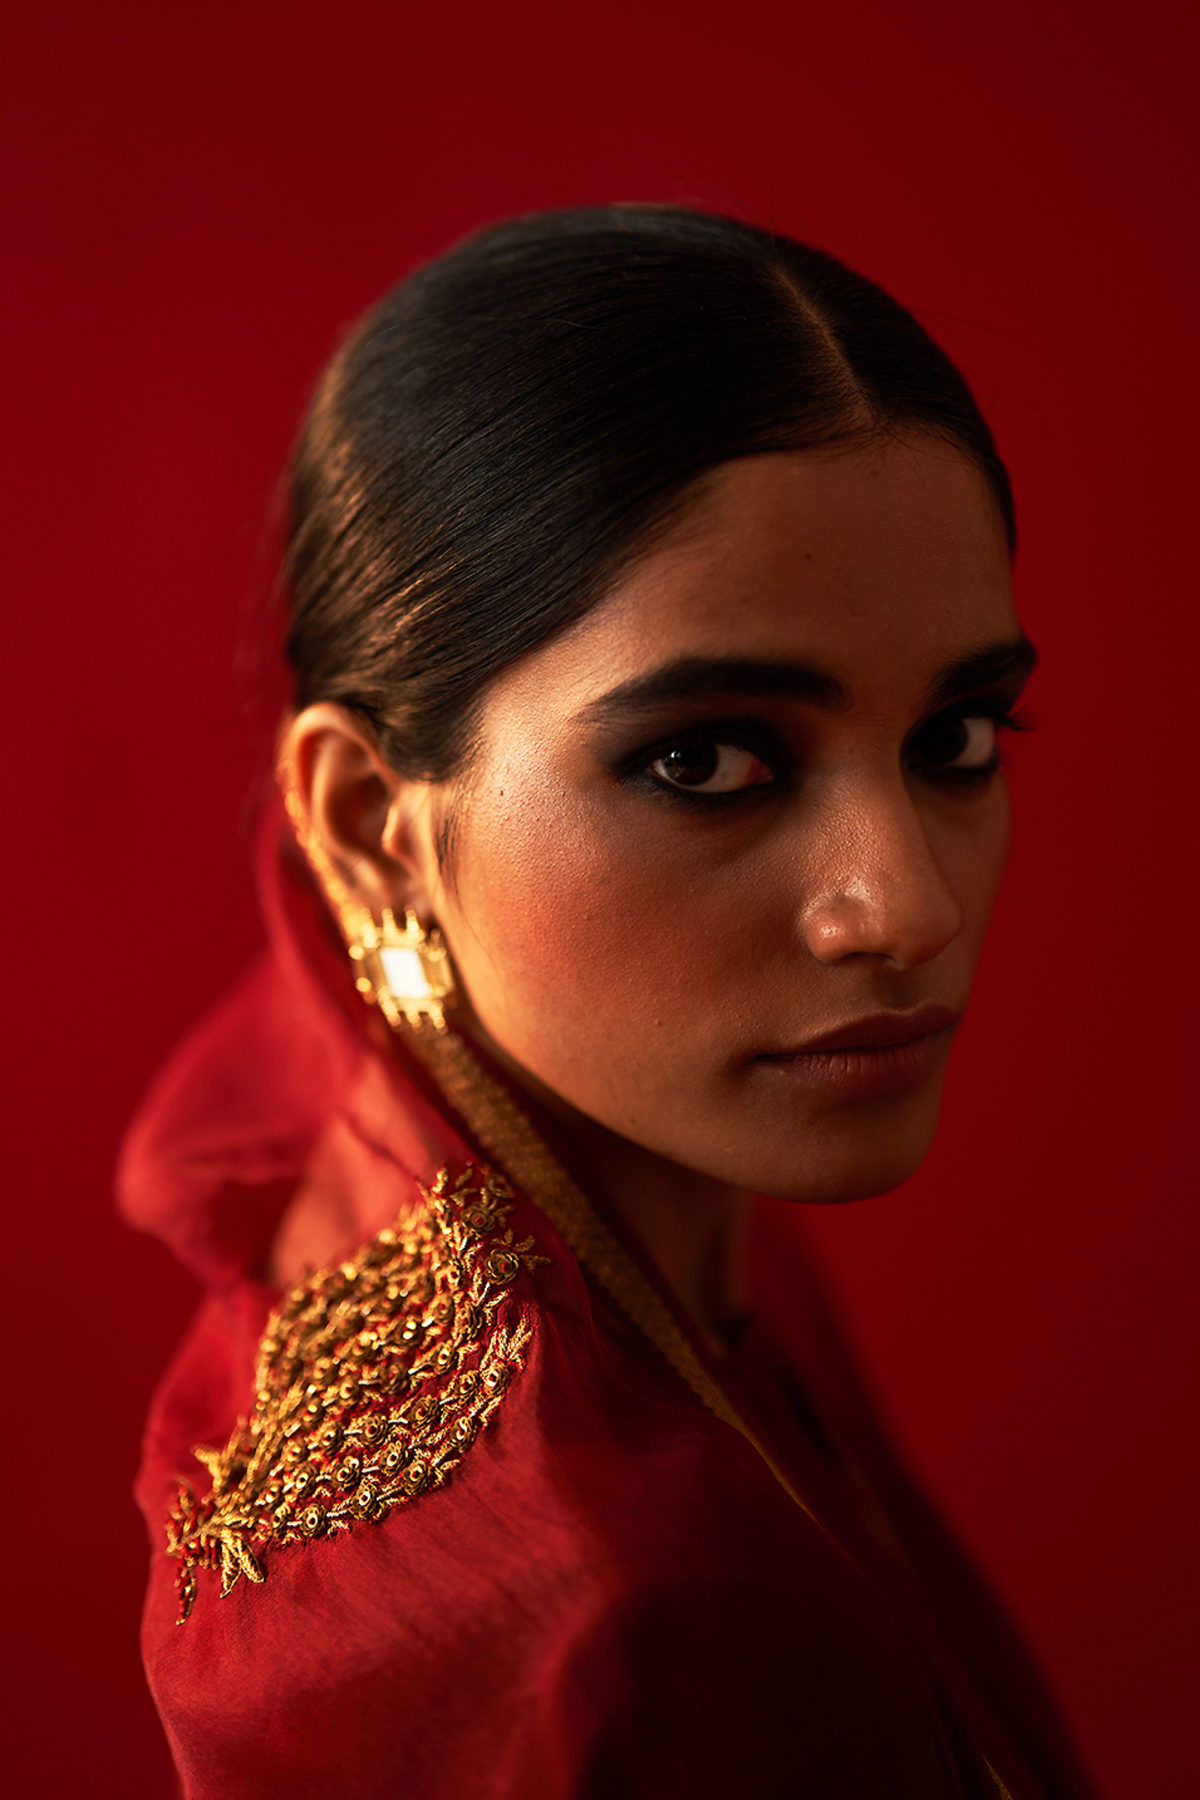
(723, 861)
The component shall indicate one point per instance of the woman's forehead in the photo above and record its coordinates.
(868, 567)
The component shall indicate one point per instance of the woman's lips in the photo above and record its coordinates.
(887, 1053)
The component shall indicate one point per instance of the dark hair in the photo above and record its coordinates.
(501, 434)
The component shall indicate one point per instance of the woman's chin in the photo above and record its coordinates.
(843, 1189)
(833, 1162)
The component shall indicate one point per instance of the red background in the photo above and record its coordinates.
(201, 200)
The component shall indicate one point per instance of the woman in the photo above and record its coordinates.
(653, 638)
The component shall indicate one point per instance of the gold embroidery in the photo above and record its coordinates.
(373, 1379)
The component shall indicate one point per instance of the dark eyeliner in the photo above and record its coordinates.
(1003, 716)
(742, 734)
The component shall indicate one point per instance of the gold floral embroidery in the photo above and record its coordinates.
(373, 1379)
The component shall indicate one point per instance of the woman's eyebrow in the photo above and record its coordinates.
(982, 668)
(693, 677)
(698, 677)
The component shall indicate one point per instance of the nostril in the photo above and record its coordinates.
(904, 921)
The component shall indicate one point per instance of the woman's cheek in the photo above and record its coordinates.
(595, 940)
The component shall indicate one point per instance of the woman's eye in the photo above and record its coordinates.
(709, 768)
(959, 743)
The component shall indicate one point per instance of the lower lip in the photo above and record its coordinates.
(866, 1073)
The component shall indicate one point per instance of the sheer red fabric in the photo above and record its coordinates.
(611, 1594)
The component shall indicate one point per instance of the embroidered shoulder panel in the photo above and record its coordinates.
(373, 1380)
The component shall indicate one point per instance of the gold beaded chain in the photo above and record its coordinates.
(506, 1133)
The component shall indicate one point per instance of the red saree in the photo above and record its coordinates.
(488, 1518)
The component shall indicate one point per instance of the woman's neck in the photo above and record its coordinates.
(695, 1230)
(693, 1227)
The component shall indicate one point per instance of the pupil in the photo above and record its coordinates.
(693, 766)
(945, 740)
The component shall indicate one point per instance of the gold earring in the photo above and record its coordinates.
(406, 972)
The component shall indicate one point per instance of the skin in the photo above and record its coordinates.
(634, 957)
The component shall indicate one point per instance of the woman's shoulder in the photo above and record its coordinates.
(458, 1475)
(371, 1384)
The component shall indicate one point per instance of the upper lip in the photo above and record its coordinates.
(878, 1031)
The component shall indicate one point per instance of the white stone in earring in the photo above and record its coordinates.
(406, 972)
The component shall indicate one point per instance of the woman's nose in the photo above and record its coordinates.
(874, 886)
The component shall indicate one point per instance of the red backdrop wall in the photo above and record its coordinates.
(201, 200)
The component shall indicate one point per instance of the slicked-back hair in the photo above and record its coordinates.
(511, 424)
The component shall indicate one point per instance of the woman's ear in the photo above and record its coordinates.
(355, 815)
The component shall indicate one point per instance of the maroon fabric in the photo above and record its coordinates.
(612, 1595)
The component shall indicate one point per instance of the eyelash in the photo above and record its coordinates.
(1004, 718)
(739, 734)
(762, 742)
